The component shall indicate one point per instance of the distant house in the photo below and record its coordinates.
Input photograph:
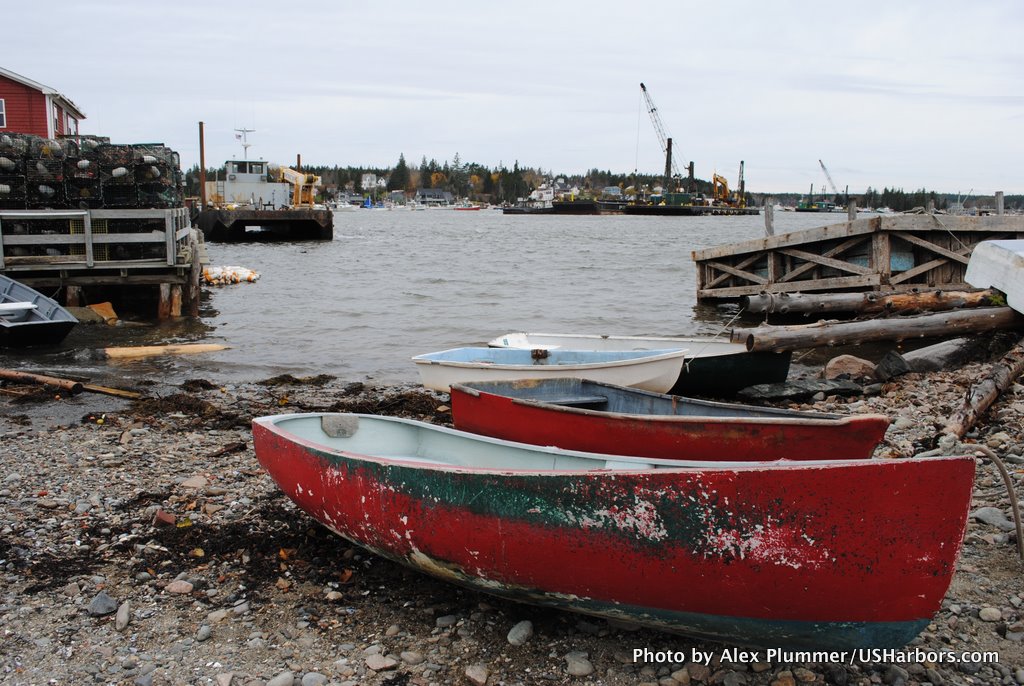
(433, 196)
(30, 107)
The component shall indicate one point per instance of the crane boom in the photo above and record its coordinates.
(659, 128)
(829, 177)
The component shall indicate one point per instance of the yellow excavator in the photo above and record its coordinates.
(720, 190)
(303, 185)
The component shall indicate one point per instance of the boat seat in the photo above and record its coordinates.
(576, 400)
(16, 311)
(16, 307)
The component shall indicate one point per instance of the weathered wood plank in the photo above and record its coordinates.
(738, 272)
(817, 285)
(931, 222)
(932, 246)
(794, 272)
(826, 261)
(836, 231)
(742, 265)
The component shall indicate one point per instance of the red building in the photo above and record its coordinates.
(30, 107)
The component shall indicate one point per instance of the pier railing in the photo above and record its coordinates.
(885, 253)
(70, 240)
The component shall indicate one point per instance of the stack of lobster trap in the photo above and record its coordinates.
(87, 173)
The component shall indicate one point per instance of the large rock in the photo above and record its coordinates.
(891, 366)
(849, 366)
(800, 388)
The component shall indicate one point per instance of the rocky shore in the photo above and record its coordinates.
(140, 543)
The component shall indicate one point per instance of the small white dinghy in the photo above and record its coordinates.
(650, 370)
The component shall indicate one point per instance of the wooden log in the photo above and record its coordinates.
(116, 392)
(945, 355)
(779, 338)
(808, 303)
(27, 377)
(152, 350)
(1000, 377)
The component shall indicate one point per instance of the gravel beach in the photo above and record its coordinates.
(141, 543)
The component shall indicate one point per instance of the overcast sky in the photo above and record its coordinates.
(900, 94)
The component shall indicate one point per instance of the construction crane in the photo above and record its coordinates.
(828, 176)
(671, 169)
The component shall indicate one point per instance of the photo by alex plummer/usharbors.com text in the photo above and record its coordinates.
(783, 656)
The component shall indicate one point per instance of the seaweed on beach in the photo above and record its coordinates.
(289, 380)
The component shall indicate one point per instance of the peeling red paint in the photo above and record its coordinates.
(856, 541)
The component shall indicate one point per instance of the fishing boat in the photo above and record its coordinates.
(652, 370)
(27, 317)
(828, 555)
(1000, 265)
(577, 414)
(712, 366)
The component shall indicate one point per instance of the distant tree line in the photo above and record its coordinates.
(503, 185)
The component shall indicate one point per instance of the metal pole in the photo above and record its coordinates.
(202, 169)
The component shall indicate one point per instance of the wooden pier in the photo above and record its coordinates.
(882, 253)
(84, 250)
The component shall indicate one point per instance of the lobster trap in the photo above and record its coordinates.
(12, 192)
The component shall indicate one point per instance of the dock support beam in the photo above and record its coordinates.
(170, 301)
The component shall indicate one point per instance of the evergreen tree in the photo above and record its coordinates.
(399, 179)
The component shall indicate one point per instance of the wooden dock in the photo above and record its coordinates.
(83, 250)
(882, 253)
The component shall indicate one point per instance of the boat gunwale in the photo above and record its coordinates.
(272, 423)
(818, 418)
(732, 348)
(665, 355)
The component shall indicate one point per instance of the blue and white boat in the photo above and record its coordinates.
(650, 370)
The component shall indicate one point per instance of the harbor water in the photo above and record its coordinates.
(397, 283)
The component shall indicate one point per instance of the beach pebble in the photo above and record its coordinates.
(102, 604)
(520, 633)
(577, 664)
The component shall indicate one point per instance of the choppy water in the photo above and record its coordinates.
(393, 284)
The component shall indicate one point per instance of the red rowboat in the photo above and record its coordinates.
(828, 555)
(577, 414)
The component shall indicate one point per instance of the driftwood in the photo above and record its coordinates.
(28, 378)
(71, 385)
(945, 355)
(867, 303)
(779, 338)
(117, 392)
(152, 350)
(983, 394)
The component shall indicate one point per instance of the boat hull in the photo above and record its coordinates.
(999, 264)
(657, 371)
(834, 556)
(42, 322)
(712, 367)
(656, 425)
